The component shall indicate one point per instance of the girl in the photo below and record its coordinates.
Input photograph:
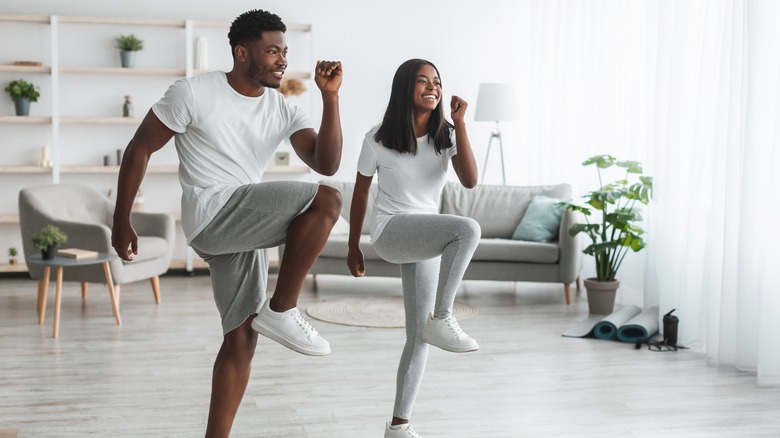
(410, 151)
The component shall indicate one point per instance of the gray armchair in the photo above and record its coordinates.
(86, 216)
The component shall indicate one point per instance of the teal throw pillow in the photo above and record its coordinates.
(541, 221)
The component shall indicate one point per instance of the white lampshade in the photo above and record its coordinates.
(495, 103)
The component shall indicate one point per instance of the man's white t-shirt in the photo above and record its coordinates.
(224, 140)
(406, 183)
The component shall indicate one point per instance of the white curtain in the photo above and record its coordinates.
(692, 89)
(715, 120)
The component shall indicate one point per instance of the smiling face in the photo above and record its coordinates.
(265, 59)
(427, 89)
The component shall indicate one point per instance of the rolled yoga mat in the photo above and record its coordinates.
(607, 328)
(643, 326)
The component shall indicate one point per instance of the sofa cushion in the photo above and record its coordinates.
(337, 246)
(149, 248)
(498, 209)
(346, 188)
(504, 250)
(541, 220)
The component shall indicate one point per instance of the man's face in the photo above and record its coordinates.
(266, 59)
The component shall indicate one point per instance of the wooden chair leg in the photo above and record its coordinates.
(578, 284)
(43, 289)
(113, 292)
(57, 301)
(314, 282)
(84, 286)
(567, 292)
(156, 288)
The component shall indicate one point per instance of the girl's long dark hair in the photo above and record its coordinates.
(396, 131)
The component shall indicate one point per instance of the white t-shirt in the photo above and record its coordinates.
(407, 183)
(224, 140)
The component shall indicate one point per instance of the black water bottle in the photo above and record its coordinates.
(670, 328)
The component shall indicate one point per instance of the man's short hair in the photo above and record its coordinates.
(250, 26)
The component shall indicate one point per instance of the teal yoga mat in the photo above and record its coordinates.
(627, 324)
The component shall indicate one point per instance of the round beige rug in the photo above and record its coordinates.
(382, 312)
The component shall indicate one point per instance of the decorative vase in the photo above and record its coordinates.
(601, 295)
(128, 58)
(22, 106)
(48, 253)
(12, 261)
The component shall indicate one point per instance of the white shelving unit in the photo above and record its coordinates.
(76, 117)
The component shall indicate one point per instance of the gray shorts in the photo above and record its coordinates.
(234, 243)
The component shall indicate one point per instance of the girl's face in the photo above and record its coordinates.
(427, 89)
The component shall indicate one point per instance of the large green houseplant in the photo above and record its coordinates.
(616, 230)
(22, 93)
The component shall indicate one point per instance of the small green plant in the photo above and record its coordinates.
(129, 43)
(12, 252)
(21, 89)
(49, 236)
(618, 231)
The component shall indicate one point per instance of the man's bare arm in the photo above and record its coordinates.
(150, 137)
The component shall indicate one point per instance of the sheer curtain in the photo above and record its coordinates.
(714, 136)
(692, 89)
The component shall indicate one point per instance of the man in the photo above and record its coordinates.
(226, 128)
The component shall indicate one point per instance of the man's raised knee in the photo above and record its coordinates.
(329, 201)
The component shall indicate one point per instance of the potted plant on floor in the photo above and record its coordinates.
(617, 230)
(12, 255)
(128, 45)
(22, 93)
(47, 240)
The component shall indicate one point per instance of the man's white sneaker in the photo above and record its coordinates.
(403, 431)
(447, 335)
(291, 330)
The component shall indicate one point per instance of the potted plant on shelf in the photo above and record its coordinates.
(12, 255)
(22, 93)
(617, 230)
(47, 240)
(128, 45)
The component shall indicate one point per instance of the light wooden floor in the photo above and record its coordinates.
(151, 376)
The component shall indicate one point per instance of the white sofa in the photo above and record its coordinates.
(498, 210)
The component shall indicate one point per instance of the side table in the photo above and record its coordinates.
(60, 263)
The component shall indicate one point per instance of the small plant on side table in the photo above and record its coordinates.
(48, 239)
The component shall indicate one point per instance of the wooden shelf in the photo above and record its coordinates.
(25, 69)
(24, 169)
(25, 119)
(26, 18)
(125, 71)
(83, 120)
(18, 267)
(130, 21)
(10, 218)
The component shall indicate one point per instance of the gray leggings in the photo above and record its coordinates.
(434, 251)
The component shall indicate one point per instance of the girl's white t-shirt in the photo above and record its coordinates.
(406, 183)
(224, 140)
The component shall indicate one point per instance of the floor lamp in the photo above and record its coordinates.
(495, 103)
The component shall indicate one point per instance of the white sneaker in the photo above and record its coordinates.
(447, 335)
(403, 431)
(291, 330)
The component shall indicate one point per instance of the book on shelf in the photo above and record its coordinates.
(76, 253)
